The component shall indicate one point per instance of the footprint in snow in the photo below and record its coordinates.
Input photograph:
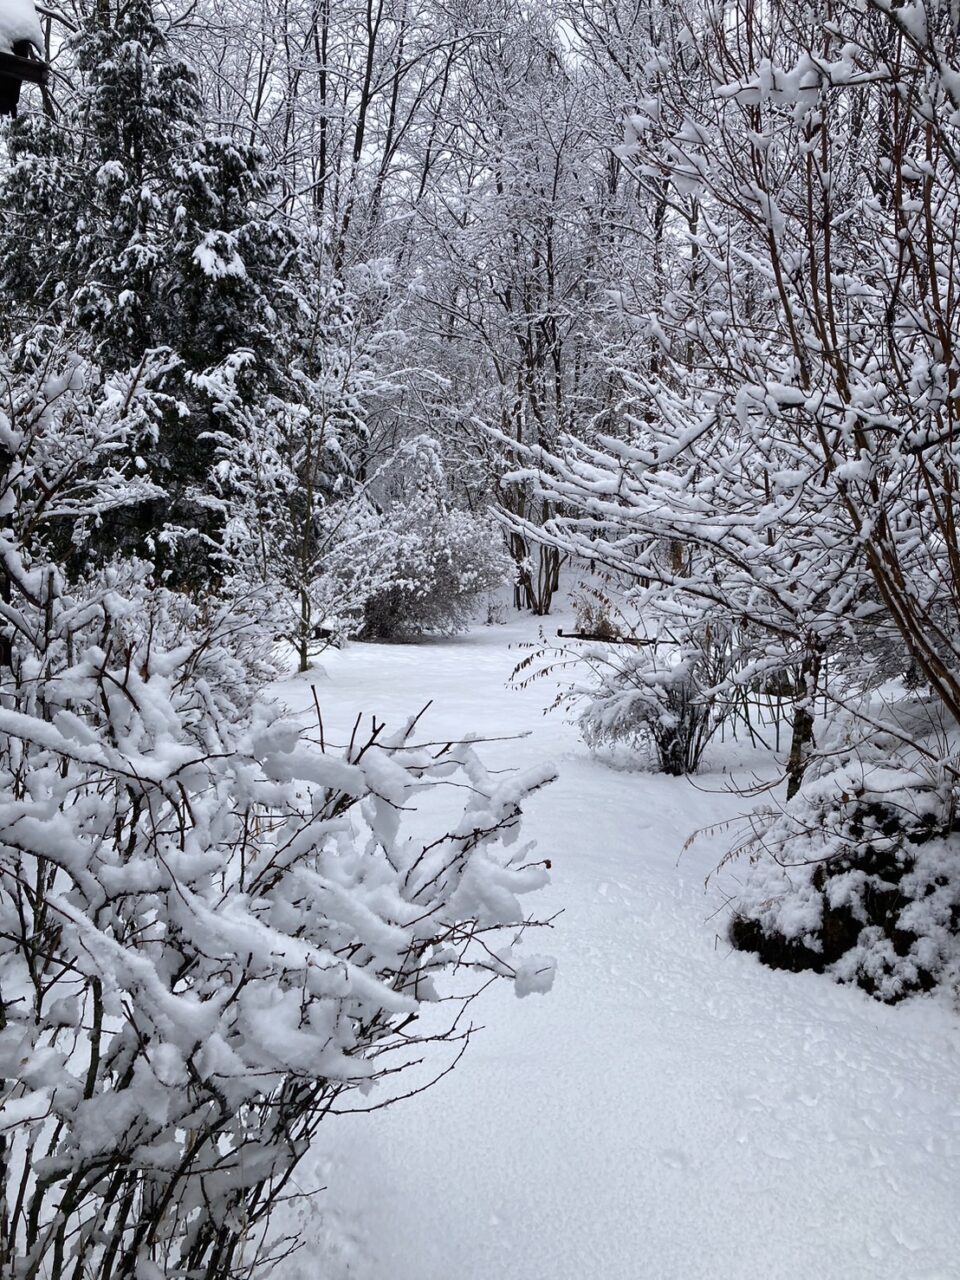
(674, 1159)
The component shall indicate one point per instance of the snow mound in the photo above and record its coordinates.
(19, 21)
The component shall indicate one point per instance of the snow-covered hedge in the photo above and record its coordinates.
(859, 876)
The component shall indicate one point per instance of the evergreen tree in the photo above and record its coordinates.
(157, 238)
(37, 222)
(137, 115)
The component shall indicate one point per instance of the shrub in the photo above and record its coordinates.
(659, 697)
(443, 560)
(212, 930)
(858, 876)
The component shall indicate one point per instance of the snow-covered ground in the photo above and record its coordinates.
(672, 1109)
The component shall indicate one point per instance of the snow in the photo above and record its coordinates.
(672, 1109)
(18, 21)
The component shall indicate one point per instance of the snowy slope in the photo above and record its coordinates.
(672, 1109)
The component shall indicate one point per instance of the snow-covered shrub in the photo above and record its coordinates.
(443, 559)
(443, 563)
(859, 876)
(211, 927)
(657, 696)
(647, 705)
(74, 457)
(663, 709)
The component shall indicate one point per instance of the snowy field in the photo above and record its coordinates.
(672, 1109)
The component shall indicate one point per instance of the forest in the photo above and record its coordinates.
(479, 504)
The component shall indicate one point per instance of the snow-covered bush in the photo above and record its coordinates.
(211, 927)
(74, 457)
(658, 694)
(443, 559)
(651, 706)
(443, 562)
(661, 699)
(858, 875)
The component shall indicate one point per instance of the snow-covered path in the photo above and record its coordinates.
(671, 1109)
